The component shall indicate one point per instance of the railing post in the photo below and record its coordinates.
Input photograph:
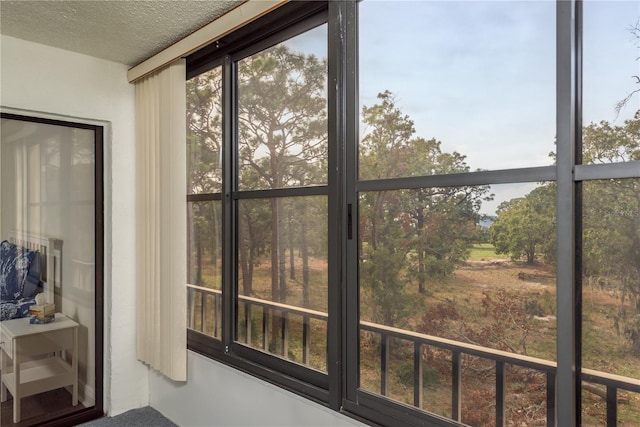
(203, 300)
(306, 339)
(500, 381)
(265, 328)
(284, 318)
(191, 305)
(455, 386)
(417, 374)
(612, 406)
(247, 321)
(216, 309)
(551, 399)
(218, 331)
(385, 340)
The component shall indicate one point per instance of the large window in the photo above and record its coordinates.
(282, 151)
(258, 201)
(423, 212)
(447, 267)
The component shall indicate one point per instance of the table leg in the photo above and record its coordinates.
(3, 370)
(74, 367)
(16, 397)
(16, 410)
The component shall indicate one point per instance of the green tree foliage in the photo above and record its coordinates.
(282, 118)
(204, 132)
(253, 239)
(606, 143)
(409, 236)
(282, 131)
(385, 247)
(611, 222)
(525, 227)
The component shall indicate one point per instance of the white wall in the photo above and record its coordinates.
(217, 395)
(51, 81)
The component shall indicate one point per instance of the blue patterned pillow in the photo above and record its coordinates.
(14, 268)
(32, 282)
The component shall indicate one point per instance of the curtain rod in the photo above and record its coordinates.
(227, 23)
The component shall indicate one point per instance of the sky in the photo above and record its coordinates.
(479, 76)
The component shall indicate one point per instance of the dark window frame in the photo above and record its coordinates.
(341, 391)
(284, 23)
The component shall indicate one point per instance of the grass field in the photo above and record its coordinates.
(483, 252)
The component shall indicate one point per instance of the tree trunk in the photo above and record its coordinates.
(199, 262)
(275, 294)
(387, 315)
(253, 242)
(292, 269)
(214, 240)
(421, 272)
(304, 249)
(252, 262)
(377, 213)
(531, 255)
(421, 282)
(244, 259)
(282, 258)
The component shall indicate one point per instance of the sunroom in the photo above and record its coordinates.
(394, 213)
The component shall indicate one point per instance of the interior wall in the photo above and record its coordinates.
(216, 394)
(59, 84)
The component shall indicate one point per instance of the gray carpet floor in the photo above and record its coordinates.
(143, 417)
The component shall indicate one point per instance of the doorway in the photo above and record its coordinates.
(51, 182)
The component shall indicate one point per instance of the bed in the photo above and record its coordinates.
(29, 265)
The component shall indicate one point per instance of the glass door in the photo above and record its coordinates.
(52, 264)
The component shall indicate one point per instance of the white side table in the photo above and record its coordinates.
(22, 375)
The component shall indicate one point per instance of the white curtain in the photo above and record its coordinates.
(161, 221)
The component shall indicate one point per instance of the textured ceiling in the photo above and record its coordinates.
(122, 31)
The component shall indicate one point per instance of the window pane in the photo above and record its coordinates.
(282, 114)
(611, 106)
(611, 295)
(455, 77)
(282, 269)
(204, 274)
(475, 265)
(204, 132)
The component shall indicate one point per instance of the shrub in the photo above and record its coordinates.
(403, 373)
(532, 307)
